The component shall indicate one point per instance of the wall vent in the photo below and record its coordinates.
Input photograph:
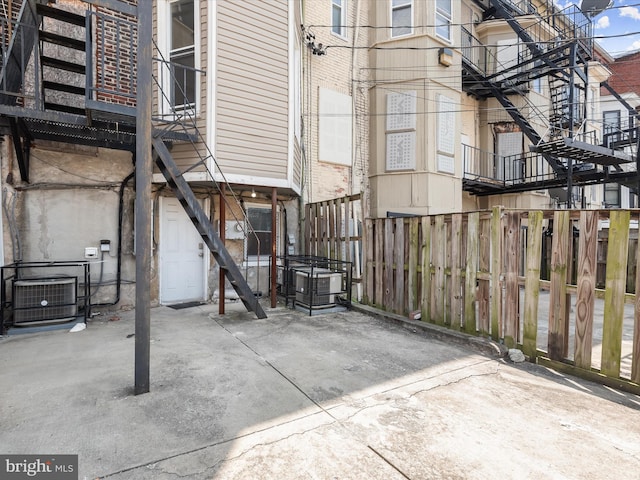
(45, 300)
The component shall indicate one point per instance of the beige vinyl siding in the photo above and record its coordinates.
(252, 88)
(184, 154)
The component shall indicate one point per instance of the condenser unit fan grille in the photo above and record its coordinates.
(44, 299)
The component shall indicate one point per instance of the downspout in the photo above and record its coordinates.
(119, 254)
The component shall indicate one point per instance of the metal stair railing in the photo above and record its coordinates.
(175, 178)
(205, 228)
(18, 43)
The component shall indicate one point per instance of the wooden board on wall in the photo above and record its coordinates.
(471, 272)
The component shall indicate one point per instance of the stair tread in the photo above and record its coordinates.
(63, 87)
(63, 41)
(62, 64)
(61, 15)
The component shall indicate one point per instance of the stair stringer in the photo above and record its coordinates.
(188, 200)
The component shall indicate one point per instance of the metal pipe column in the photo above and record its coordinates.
(144, 172)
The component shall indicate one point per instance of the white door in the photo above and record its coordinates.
(182, 255)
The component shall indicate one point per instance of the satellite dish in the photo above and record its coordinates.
(591, 8)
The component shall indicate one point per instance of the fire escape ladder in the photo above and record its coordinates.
(524, 124)
(187, 198)
(19, 50)
(63, 85)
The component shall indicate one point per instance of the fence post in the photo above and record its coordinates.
(387, 302)
(412, 278)
(455, 267)
(369, 280)
(586, 281)
(614, 292)
(558, 321)
(471, 273)
(484, 283)
(398, 296)
(379, 253)
(635, 355)
(532, 284)
(512, 289)
(439, 253)
(496, 272)
(426, 269)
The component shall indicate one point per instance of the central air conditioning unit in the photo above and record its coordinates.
(317, 287)
(45, 300)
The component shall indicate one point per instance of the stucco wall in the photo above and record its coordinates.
(72, 202)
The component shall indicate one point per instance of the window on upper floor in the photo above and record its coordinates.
(401, 17)
(178, 42)
(612, 195)
(443, 19)
(611, 126)
(339, 17)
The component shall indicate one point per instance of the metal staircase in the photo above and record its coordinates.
(44, 96)
(573, 155)
(187, 198)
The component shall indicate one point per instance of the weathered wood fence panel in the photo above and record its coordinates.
(614, 292)
(334, 229)
(532, 284)
(469, 272)
(587, 266)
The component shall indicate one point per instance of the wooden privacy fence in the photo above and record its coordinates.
(333, 229)
(480, 273)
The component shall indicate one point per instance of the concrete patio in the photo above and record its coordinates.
(334, 396)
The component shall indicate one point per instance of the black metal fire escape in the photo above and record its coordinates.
(573, 156)
(46, 97)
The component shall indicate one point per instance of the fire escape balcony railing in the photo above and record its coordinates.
(523, 7)
(474, 52)
(491, 168)
(111, 70)
(20, 80)
(111, 74)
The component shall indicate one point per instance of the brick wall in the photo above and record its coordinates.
(115, 56)
(325, 180)
(625, 74)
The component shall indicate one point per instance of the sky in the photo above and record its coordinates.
(617, 29)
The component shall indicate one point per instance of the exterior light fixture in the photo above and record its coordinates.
(253, 193)
(445, 57)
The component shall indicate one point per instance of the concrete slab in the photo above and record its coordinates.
(341, 395)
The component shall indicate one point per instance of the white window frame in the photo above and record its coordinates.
(444, 18)
(342, 29)
(252, 260)
(164, 75)
(394, 8)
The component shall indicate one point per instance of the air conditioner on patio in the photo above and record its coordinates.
(44, 300)
(317, 287)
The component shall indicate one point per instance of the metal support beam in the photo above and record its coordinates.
(274, 206)
(222, 277)
(22, 150)
(144, 172)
